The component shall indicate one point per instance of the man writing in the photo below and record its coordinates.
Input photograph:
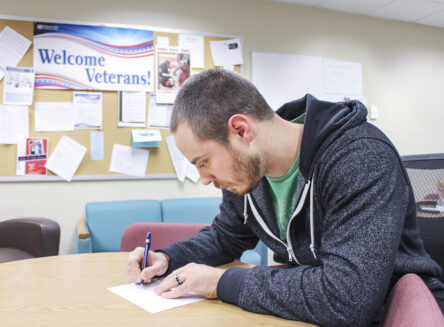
(321, 187)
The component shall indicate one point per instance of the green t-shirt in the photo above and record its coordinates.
(283, 192)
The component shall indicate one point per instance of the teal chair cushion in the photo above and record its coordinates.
(107, 220)
(262, 251)
(195, 210)
(252, 257)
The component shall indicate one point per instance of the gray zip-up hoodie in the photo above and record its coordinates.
(353, 233)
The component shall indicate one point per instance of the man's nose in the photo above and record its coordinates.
(206, 178)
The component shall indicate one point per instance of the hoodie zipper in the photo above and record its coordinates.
(261, 222)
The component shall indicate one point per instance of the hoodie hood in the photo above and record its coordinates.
(324, 122)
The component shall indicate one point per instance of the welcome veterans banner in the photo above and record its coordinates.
(83, 57)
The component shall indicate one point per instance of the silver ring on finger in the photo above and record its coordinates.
(178, 280)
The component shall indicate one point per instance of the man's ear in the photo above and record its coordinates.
(239, 126)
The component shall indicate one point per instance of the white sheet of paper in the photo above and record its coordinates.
(192, 173)
(21, 151)
(66, 158)
(165, 97)
(227, 52)
(14, 123)
(195, 43)
(178, 159)
(53, 116)
(134, 107)
(14, 47)
(159, 114)
(144, 297)
(128, 160)
(18, 88)
(182, 166)
(87, 110)
(163, 41)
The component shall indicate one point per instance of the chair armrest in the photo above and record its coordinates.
(82, 229)
(38, 236)
(83, 237)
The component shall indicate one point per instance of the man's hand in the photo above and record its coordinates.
(157, 265)
(193, 277)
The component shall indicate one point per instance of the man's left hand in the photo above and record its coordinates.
(193, 277)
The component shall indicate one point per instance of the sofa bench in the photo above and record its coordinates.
(104, 222)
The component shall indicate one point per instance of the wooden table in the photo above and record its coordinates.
(71, 290)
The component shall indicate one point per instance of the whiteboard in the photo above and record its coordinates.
(285, 77)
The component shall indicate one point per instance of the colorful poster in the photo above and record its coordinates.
(83, 57)
(173, 68)
(32, 153)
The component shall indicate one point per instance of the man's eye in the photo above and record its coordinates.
(202, 165)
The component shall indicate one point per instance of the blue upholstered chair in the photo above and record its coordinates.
(190, 210)
(105, 222)
(203, 210)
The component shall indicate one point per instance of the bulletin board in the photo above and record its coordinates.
(159, 163)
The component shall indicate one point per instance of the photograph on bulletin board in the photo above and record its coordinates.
(173, 67)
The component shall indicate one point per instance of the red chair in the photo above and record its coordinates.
(162, 234)
(412, 304)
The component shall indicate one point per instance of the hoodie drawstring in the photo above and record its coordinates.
(312, 233)
(307, 186)
(245, 209)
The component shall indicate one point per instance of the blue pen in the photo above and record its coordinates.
(147, 249)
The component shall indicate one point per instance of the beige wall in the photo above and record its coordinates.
(403, 69)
